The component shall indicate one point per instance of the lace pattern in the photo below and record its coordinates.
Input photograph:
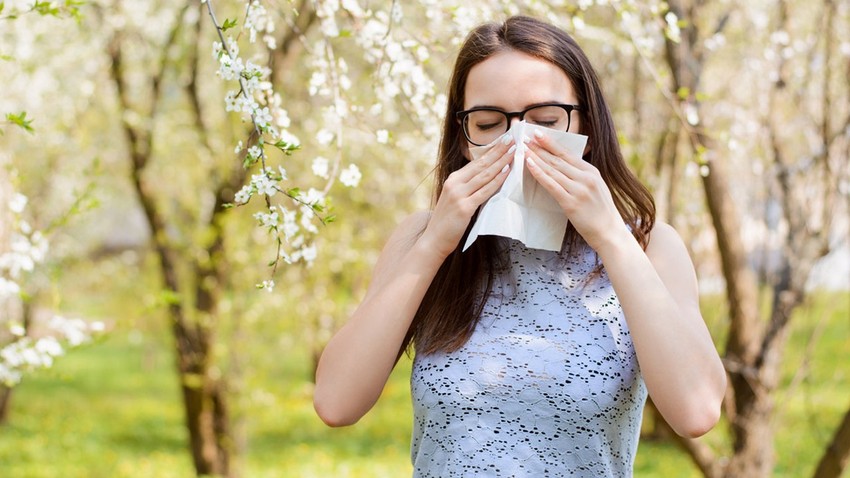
(548, 384)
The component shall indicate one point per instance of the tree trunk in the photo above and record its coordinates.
(5, 399)
(837, 455)
(204, 397)
(206, 420)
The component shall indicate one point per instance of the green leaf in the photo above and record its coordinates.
(228, 24)
(20, 120)
(249, 161)
(287, 148)
(293, 193)
(330, 219)
(45, 8)
(2, 6)
(168, 297)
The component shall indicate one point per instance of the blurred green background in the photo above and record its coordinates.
(128, 116)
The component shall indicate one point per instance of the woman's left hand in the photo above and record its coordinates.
(578, 188)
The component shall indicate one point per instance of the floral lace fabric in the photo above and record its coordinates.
(548, 385)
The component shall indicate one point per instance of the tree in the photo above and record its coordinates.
(808, 202)
(24, 247)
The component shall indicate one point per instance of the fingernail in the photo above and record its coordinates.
(530, 162)
(506, 138)
(525, 139)
(538, 133)
(511, 149)
(506, 168)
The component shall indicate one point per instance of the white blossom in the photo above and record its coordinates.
(267, 219)
(320, 167)
(382, 136)
(263, 117)
(290, 226)
(267, 285)
(309, 253)
(17, 330)
(350, 176)
(263, 185)
(243, 195)
(324, 137)
(18, 203)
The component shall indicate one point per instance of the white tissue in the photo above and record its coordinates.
(522, 209)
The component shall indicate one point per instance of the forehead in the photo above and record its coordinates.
(513, 80)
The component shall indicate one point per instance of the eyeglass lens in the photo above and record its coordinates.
(484, 126)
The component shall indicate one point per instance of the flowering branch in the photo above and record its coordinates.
(256, 100)
(21, 354)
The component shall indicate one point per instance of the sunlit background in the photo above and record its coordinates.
(132, 298)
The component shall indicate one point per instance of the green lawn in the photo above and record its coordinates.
(112, 410)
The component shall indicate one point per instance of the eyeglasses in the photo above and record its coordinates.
(483, 125)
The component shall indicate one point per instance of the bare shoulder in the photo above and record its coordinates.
(671, 260)
(664, 240)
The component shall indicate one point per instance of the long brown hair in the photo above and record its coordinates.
(454, 301)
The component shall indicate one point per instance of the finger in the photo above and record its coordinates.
(487, 190)
(485, 174)
(493, 154)
(549, 145)
(552, 168)
(556, 188)
(554, 162)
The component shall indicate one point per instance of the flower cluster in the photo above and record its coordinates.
(290, 223)
(24, 250)
(26, 354)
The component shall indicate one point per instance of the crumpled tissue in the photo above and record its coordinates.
(522, 209)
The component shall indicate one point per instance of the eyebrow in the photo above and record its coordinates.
(532, 105)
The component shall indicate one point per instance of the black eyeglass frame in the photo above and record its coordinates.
(462, 116)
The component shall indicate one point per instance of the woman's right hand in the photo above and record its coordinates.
(463, 192)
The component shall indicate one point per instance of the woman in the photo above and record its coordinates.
(530, 362)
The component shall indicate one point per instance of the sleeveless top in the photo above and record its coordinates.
(547, 386)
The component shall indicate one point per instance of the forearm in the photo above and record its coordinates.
(678, 359)
(357, 362)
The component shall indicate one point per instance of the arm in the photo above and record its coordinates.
(660, 299)
(657, 290)
(358, 360)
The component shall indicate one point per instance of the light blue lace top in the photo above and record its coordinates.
(547, 386)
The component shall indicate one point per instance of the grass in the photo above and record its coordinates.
(112, 409)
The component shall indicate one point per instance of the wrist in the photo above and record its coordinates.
(431, 248)
(616, 243)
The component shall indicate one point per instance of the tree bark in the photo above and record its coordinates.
(5, 400)
(837, 454)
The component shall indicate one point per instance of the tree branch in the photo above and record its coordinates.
(289, 46)
(702, 455)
